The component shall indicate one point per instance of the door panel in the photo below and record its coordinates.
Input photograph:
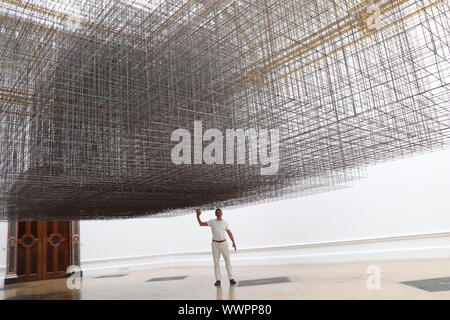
(28, 251)
(43, 250)
(56, 252)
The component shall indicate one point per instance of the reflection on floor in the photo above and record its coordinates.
(312, 281)
(257, 282)
(432, 285)
(111, 276)
(167, 278)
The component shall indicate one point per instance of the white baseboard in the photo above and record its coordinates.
(423, 246)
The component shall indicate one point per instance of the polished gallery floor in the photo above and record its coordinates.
(402, 279)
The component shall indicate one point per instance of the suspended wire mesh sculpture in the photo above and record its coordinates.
(92, 90)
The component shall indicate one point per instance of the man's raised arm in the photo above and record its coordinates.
(200, 222)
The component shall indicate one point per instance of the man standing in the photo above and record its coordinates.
(219, 243)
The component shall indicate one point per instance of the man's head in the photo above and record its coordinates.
(219, 214)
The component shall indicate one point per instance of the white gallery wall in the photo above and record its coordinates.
(3, 238)
(406, 199)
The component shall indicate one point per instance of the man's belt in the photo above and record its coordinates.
(219, 240)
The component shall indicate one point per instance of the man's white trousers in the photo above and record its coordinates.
(221, 248)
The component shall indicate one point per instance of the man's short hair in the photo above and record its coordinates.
(218, 209)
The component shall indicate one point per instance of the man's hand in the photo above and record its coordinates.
(200, 222)
(234, 246)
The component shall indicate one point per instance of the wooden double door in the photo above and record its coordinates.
(43, 250)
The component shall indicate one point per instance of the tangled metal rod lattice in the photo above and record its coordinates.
(92, 90)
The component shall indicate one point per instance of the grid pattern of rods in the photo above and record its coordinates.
(91, 91)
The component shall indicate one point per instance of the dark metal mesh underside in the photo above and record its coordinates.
(91, 91)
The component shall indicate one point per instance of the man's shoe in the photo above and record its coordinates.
(232, 281)
(217, 283)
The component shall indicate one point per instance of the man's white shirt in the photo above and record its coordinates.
(218, 228)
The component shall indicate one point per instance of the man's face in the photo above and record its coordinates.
(219, 214)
